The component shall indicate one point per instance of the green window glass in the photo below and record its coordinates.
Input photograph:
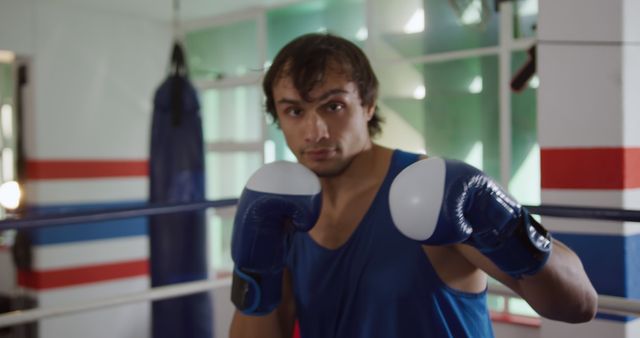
(224, 51)
(525, 151)
(525, 18)
(232, 114)
(416, 28)
(341, 17)
(453, 104)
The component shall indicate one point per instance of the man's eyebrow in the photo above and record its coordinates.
(331, 93)
(287, 101)
(322, 97)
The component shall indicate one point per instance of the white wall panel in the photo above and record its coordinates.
(78, 254)
(631, 24)
(95, 75)
(598, 20)
(44, 192)
(631, 93)
(17, 23)
(580, 96)
(128, 321)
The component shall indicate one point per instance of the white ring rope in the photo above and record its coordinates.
(158, 293)
(606, 304)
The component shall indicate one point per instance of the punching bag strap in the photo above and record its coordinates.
(178, 74)
(178, 64)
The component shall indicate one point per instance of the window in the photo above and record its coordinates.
(10, 97)
(446, 72)
(453, 104)
(227, 70)
(444, 69)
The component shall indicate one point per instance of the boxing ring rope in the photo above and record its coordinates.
(157, 293)
(168, 208)
(105, 215)
(605, 214)
(606, 304)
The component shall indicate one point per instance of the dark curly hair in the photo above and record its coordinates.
(306, 60)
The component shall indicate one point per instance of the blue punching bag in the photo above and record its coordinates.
(176, 175)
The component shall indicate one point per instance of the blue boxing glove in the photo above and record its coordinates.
(279, 198)
(439, 202)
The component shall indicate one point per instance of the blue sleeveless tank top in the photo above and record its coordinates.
(379, 283)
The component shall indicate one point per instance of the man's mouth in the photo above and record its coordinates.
(319, 154)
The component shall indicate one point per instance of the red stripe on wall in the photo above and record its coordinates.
(632, 167)
(590, 168)
(84, 275)
(69, 169)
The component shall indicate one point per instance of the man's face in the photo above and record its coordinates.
(326, 133)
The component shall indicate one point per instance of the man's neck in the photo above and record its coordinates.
(356, 176)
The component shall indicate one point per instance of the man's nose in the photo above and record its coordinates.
(315, 128)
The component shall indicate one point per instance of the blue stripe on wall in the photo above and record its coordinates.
(633, 266)
(603, 257)
(87, 231)
(611, 261)
(614, 318)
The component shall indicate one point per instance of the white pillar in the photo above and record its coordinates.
(588, 103)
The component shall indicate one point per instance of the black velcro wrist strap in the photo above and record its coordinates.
(244, 291)
(525, 251)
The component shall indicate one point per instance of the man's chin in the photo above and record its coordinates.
(326, 170)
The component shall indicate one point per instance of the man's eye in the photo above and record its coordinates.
(334, 106)
(294, 111)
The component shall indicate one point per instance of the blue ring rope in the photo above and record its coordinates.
(31, 222)
(98, 216)
(565, 211)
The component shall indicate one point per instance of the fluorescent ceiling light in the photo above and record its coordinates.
(473, 13)
(416, 23)
(534, 82)
(475, 87)
(420, 92)
(362, 34)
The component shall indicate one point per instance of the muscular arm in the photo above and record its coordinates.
(277, 324)
(560, 291)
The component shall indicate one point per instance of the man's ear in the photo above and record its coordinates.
(370, 110)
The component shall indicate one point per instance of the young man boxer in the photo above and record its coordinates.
(365, 241)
